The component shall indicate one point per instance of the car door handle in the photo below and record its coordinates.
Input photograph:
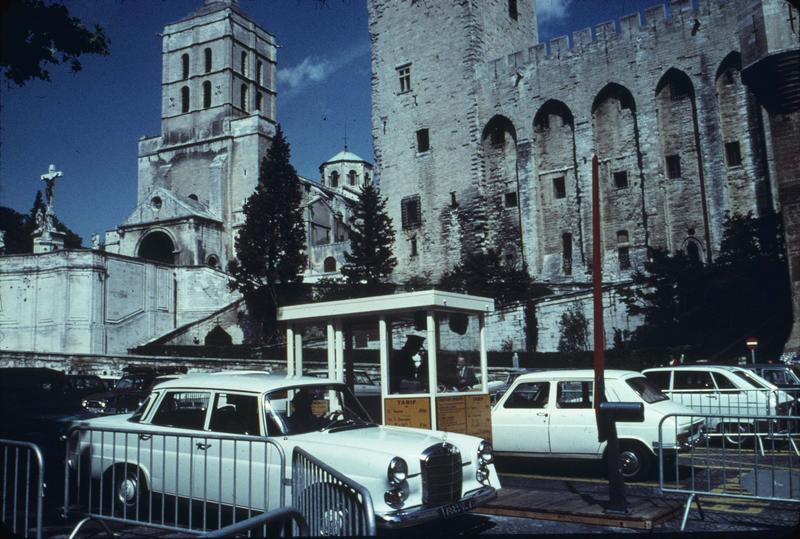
(203, 446)
(712, 396)
(543, 414)
(145, 436)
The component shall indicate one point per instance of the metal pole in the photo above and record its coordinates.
(606, 428)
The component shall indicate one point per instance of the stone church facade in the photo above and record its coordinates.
(484, 137)
(217, 121)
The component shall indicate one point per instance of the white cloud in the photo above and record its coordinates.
(549, 10)
(315, 69)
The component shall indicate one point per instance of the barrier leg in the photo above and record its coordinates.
(692, 498)
(83, 521)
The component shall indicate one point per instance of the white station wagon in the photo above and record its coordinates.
(412, 475)
(551, 414)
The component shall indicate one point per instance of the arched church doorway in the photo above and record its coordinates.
(157, 246)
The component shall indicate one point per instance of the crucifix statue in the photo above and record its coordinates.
(49, 178)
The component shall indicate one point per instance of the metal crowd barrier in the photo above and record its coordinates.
(761, 464)
(175, 482)
(22, 481)
(332, 503)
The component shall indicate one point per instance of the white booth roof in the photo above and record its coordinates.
(436, 300)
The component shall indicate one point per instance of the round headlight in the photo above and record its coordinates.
(398, 471)
(485, 453)
(84, 403)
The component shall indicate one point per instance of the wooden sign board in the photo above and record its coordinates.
(413, 412)
(467, 414)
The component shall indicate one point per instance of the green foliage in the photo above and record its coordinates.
(370, 260)
(35, 34)
(483, 274)
(270, 246)
(14, 224)
(19, 229)
(574, 331)
(712, 309)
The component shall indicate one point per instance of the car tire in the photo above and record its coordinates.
(634, 461)
(735, 434)
(130, 493)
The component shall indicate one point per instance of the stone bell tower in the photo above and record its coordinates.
(217, 121)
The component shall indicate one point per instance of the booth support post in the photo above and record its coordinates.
(483, 357)
(383, 339)
(339, 353)
(298, 353)
(432, 347)
(331, 334)
(290, 349)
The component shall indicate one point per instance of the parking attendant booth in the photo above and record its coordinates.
(432, 350)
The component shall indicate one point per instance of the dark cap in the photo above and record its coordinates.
(414, 341)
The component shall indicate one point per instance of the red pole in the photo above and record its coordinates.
(597, 289)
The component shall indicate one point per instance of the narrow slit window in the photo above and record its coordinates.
(185, 99)
(423, 141)
(410, 212)
(559, 187)
(243, 100)
(207, 54)
(733, 154)
(673, 166)
(621, 179)
(206, 94)
(566, 241)
(185, 66)
(512, 9)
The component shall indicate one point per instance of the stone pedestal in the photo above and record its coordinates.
(49, 242)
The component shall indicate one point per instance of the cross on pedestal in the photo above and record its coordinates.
(49, 178)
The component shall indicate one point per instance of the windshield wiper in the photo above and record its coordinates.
(352, 426)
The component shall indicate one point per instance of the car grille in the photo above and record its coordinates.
(441, 474)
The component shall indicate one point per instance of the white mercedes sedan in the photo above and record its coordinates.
(179, 448)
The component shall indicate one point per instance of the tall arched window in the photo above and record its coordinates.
(244, 63)
(207, 54)
(260, 72)
(351, 177)
(185, 66)
(566, 253)
(334, 179)
(243, 101)
(185, 99)
(259, 100)
(206, 94)
(329, 265)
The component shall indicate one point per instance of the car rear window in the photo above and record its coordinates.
(646, 389)
(750, 379)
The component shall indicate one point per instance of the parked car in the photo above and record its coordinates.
(364, 384)
(551, 414)
(36, 404)
(81, 385)
(413, 475)
(724, 390)
(130, 390)
(782, 375)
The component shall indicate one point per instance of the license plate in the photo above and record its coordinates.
(454, 509)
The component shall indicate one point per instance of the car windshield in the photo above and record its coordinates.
(130, 382)
(309, 408)
(646, 389)
(750, 379)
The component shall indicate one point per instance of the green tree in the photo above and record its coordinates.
(574, 331)
(370, 261)
(483, 274)
(19, 229)
(713, 308)
(35, 34)
(270, 246)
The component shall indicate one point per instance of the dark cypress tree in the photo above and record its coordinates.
(370, 260)
(271, 245)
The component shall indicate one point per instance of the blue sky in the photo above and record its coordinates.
(88, 123)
